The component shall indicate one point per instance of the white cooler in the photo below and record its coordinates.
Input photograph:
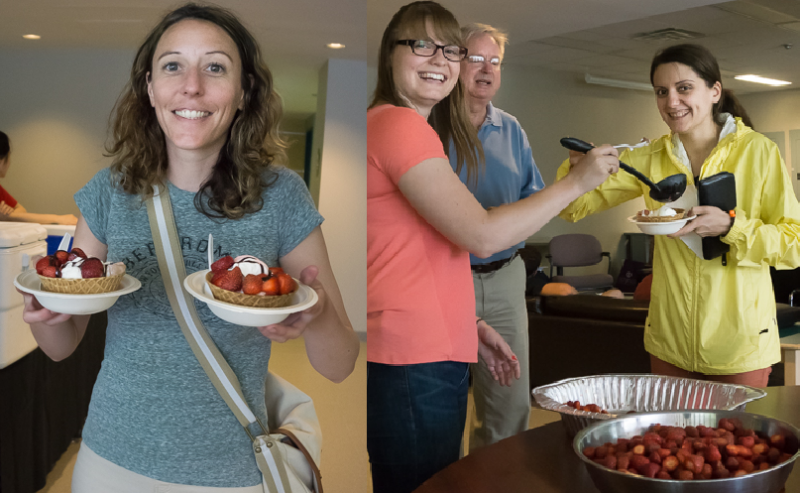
(16, 239)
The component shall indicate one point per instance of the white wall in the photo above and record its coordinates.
(339, 152)
(778, 111)
(339, 166)
(55, 105)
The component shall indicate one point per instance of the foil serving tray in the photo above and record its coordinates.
(626, 394)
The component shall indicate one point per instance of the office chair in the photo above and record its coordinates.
(579, 250)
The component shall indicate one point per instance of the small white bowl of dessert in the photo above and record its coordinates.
(663, 221)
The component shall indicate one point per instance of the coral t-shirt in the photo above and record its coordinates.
(7, 198)
(420, 297)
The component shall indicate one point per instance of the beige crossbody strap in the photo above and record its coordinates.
(173, 271)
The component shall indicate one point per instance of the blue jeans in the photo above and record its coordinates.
(415, 419)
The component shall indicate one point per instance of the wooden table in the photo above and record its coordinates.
(542, 459)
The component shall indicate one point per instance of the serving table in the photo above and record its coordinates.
(43, 405)
(542, 459)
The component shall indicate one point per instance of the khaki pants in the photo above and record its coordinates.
(501, 412)
(94, 474)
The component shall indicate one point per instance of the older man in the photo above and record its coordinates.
(499, 280)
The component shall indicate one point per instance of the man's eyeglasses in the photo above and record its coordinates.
(422, 47)
(479, 59)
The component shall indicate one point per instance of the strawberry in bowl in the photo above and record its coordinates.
(74, 272)
(247, 281)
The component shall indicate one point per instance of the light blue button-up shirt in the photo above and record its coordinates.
(511, 174)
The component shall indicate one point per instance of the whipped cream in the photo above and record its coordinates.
(72, 269)
(249, 265)
(665, 211)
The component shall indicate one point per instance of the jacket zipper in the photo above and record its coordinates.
(696, 289)
(695, 316)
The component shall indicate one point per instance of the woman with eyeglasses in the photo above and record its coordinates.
(422, 223)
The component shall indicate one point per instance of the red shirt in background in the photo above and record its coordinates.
(7, 198)
(420, 297)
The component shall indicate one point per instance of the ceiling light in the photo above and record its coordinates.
(762, 80)
(623, 84)
(31, 36)
(335, 46)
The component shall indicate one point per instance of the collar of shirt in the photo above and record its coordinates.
(492, 117)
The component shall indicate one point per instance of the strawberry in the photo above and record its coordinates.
(276, 271)
(42, 263)
(61, 256)
(287, 284)
(224, 263)
(252, 284)
(78, 252)
(231, 280)
(49, 271)
(92, 267)
(271, 287)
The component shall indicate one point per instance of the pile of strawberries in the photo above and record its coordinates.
(701, 452)
(50, 266)
(276, 282)
(592, 408)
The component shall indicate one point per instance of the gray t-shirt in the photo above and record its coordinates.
(153, 409)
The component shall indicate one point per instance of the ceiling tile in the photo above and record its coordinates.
(566, 42)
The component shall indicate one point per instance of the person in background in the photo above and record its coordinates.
(510, 175)
(706, 319)
(199, 118)
(422, 223)
(10, 209)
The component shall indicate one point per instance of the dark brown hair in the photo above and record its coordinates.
(449, 117)
(237, 180)
(5, 145)
(705, 65)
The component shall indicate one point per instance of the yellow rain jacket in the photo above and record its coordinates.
(706, 317)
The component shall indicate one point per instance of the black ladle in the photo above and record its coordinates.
(669, 189)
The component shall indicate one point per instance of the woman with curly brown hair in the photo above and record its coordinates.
(199, 119)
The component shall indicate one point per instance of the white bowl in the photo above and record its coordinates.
(302, 299)
(73, 304)
(665, 228)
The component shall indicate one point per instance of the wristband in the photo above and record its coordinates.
(732, 214)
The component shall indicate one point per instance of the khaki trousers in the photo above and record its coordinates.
(94, 474)
(501, 412)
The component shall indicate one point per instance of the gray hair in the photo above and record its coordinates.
(500, 37)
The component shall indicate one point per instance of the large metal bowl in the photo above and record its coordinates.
(609, 481)
(639, 393)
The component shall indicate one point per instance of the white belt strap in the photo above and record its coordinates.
(173, 271)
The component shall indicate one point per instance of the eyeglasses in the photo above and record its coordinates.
(479, 59)
(422, 47)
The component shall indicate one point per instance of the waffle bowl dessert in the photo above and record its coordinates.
(247, 281)
(663, 215)
(74, 273)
